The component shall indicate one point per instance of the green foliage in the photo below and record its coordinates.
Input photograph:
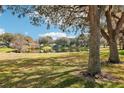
(46, 49)
(6, 38)
(72, 50)
(63, 41)
(26, 44)
(45, 40)
(17, 41)
(64, 49)
(83, 48)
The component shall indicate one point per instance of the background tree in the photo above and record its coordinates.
(83, 40)
(73, 44)
(121, 40)
(63, 41)
(6, 38)
(62, 44)
(103, 42)
(45, 40)
(22, 43)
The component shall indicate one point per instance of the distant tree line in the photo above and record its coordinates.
(64, 44)
(25, 44)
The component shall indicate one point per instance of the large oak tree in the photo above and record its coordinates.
(114, 21)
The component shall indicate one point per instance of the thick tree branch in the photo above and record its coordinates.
(122, 31)
(108, 19)
(120, 23)
(104, 34)
(115, 16)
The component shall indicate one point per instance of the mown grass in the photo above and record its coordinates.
(55, 70)
(6, 50)
(121, 52)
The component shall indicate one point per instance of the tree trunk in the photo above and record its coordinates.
(94, 66)
(113, 54)
(120, 45)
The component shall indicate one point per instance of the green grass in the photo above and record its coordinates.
(5, 50)
(121, 52)
(55, 70)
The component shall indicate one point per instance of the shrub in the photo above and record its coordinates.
(83, 49)
(46, 49)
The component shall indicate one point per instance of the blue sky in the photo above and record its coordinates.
(13, 24)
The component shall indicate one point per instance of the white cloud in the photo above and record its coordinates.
(56, 35)
(26, 33)
(2, 31)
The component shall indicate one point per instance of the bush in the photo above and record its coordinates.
(46, 49)
(56, 48)
(24, 49)
(83, 49)
(73, 50)
(63, 49)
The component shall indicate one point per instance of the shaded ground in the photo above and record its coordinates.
(55, 70)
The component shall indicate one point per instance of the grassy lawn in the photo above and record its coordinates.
(55, 70)
(5, 50)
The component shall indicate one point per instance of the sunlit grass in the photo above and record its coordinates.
(9, 56)
(6, 50)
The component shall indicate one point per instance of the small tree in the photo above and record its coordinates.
(20, 43)
(47, 40)
(6, 38)
(63, 41)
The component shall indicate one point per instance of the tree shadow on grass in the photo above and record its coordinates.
(50, 72)
(48, 79)
(57, 72)
(69, 82)
(72, 61)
